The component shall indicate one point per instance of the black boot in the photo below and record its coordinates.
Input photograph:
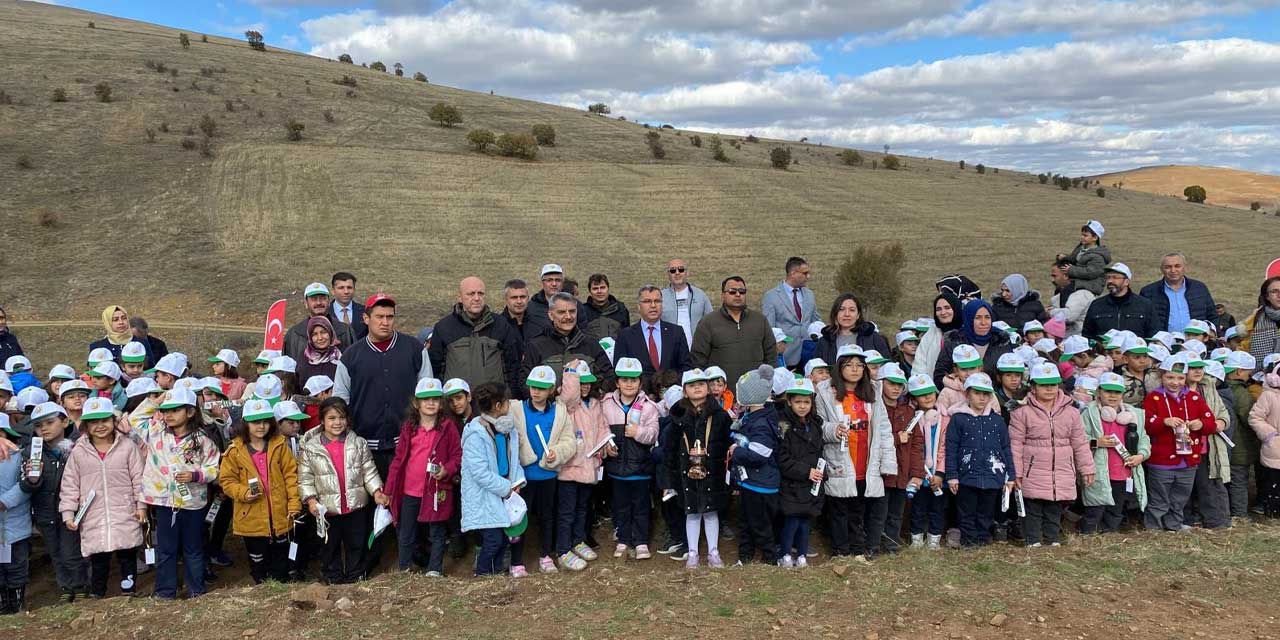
(19, 597)
(6, 603)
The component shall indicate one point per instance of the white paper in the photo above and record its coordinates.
(599, 474)
(213, 510)
(602, 444)
(6, 553)
(1004, 498)
(817, 486)
(381, 520)
(84, 508)
(668, 494)
(149, 555)
(1128, 484)
(322, 525)
(293, 551)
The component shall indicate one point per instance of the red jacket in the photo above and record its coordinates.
(1190, 405)
(900, 416)
(448, 453)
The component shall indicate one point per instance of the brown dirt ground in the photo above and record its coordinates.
(1226, 187)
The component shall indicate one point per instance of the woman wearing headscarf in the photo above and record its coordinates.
(1017, 304)
(975, 330)
(320, 358)
(116, 322)
(1263, 325)
(946, 318)
(8, 342)
(848, 324)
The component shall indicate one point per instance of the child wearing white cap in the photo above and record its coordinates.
(979, 461)
(420, 481)
(1049, 453)
(41, 480)
(1178, 420)
(693, 460)
(798, 454)
(1211, 508)
(632, 418)
(72, 395)
(226, 366)
(1120, 444)
(893, 385)
(817, 370)
(1087, 260)
(546, 443)
(926, 464)
(1244, 456)
(105, 380)
(718, 389)
(581, 394)
(107, 463)
(966, 361)
(907, 342)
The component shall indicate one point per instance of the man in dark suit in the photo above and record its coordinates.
(656, 344)
(345, 308)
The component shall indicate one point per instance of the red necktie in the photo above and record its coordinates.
(653, 349)
(795, 301)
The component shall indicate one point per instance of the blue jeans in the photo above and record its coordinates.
(179, 531)
(410, 531)
(795, 534)
(493, 546)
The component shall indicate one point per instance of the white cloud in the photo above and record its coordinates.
(1086, 18)
(464, 47)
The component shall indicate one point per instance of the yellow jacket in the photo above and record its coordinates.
(268, 515)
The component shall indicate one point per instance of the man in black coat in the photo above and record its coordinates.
(475, 344)
(669, 342)
(552, 276)
(1177, 299)
(1121, 309)
(565, 342)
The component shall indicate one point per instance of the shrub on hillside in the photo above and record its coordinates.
(717, 149)
(598, 108)
(1255, 205)
(151, 134)
(47, 219)
(780, 157)
(875, 164)
(446, 115)
(378, 66)
(962, 165)
(1043, 178)
(102, 91)
(188, 144)
(399, 70)
(24, 162)
(293, 129)
(850, 157)
(891, 162)
(92, 26)
(420, 76)
(517, 145)
(204, 38)
(184, 41)
(1102, 193)
(346, 81)
(328, 115)
(59, 95)
(351, 93)
(255, 40)
(654, 141)
(5, 98)
(208, 126)
(545, 134)
(1195, 193)
(164, 126)
(481, 138)
(695, 140)
(981, 169)
(206, 148)
(751, 138)
(229, 105)
(736, 144)
(874, 273)
(346, 57)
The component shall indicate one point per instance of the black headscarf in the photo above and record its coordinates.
(957, 317)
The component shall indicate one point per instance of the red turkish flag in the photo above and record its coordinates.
(1273, 269)
(274, 336)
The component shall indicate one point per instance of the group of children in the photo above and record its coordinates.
(141, 469)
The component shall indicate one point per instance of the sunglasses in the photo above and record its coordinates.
(736, 292)
(675, 270)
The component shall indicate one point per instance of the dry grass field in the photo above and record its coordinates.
(1226, 187)
(102, 215)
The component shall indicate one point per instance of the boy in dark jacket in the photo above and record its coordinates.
(754, 467)
(798, 455)
(63, 545)
(979, 461)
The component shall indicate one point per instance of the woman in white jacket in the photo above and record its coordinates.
(946, 316)
(858, 449)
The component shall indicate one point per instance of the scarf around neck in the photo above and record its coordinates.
(115, 337)
(970, 311)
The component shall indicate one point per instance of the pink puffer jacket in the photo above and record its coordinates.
(109, 524)
(1049, 448)
(589, 429)
(1265, 421)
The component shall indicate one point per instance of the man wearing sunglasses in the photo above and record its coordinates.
(683, 303)
(735, 338)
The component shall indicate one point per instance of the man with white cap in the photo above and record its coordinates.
(683, 303)
(1120, 308)
(552, 277)
(791, 307)
(1177, 299)
(316, 301)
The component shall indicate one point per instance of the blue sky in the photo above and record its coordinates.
(1084, 87)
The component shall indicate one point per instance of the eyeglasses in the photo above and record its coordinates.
(675, 270)
(736, 292)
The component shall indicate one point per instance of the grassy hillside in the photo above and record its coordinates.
(102, 215)
(1228, 187)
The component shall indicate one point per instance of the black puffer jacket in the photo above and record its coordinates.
(1028, 308)
(44, 490)
(606, 320)
(799, 452)
(710, 493)
(555, 350)
(482, 350)
(866, 336)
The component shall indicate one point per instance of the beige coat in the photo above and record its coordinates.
(319, 479)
